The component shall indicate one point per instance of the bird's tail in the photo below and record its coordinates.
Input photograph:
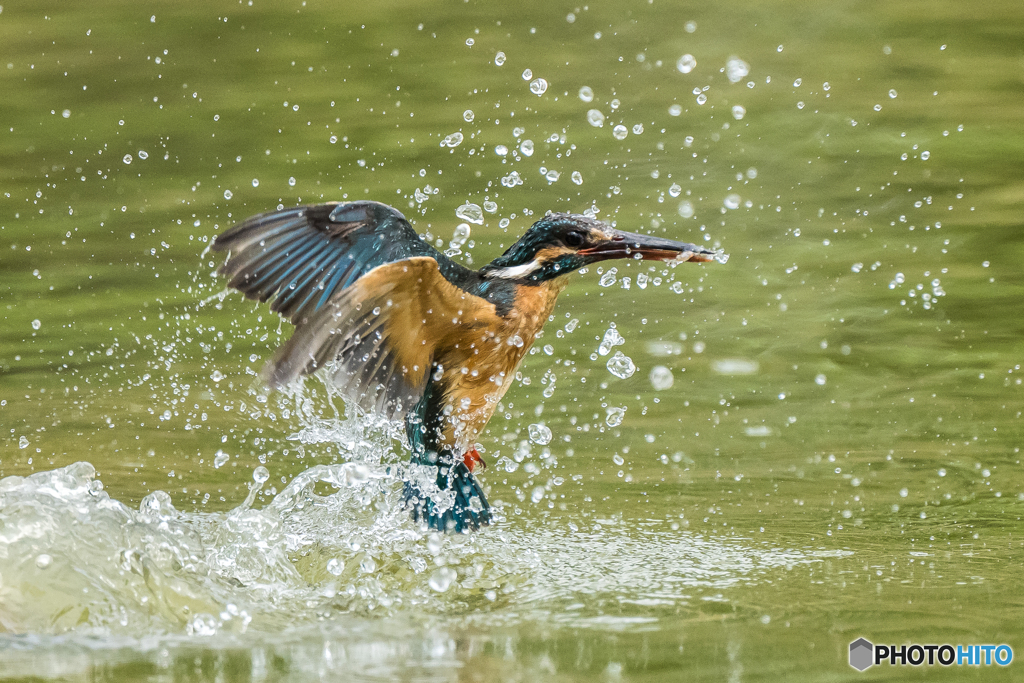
(468, 512)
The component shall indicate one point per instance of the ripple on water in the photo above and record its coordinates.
(77, 561)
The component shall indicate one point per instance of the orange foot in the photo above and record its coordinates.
(472, 459)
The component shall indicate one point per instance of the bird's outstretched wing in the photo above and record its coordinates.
(366, 294)
(378, 337)
(303, 255)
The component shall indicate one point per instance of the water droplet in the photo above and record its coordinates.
(621, 365)
(442, 579)
(499, 58)
(686, 209)
(527, 74)
(203, 625)
(618, 460)
(539, 86)
(595, 118)
(260, 474)
(614, 417)
(255, 182)
(435, 543)
(470, 212)
(686, 63)
(892, 94)
(501, 150)
(143, 154)
(43, 561)
(470, 42)
(537, 494)
(661, 378)
(291, 181)
(702, 98)
(216, 375)
(675, 110)
(468, 115)
(675, 190)
(731, 201)
(66, 113)
(460, 236)
(577, 177)
(490, 207)
(620, 132)
(526, 148)
(820, 380)
(738, 112)
(453, 140)
(539, 434)
(735, 366)
(552, 176)
(333, 139)
(368, 566)
(638, 129)
(736, 69)
(586, 94)
(36, 324)
(512, 179)
(607, 280)
(228, 194)
(925, 155)
(23, 442)
(335, 567)
(127, 158)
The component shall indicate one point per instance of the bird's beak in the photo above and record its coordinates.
(629, 245)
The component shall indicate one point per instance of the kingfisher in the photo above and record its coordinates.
(405, 332)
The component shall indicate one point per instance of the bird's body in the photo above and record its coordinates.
(408, 333)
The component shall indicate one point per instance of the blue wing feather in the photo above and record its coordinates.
(307, 260)
(303, 255)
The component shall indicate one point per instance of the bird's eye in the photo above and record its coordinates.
(574, 239)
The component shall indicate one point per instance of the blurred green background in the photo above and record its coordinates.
(838, 451)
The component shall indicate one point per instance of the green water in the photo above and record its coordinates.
(838, 454)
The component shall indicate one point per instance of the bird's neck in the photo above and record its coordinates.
(549, 263)
(529, 271)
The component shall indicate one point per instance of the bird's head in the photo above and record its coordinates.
(560, 243)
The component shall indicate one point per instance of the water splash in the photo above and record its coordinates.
(159, 570)
(470, 212)
(452, 140)
(611, 339)
(621, 365)
(78, 564)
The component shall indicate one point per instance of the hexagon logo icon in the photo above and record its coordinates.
(861, 654)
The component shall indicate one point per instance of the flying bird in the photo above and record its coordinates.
(405, 332)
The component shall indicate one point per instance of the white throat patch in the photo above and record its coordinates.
(515, 272)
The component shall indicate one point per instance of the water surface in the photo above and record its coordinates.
(821, 439)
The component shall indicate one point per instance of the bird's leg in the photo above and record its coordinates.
(472, 458)
(467, 508)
